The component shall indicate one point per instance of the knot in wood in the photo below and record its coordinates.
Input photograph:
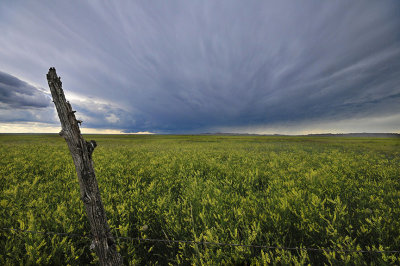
(86, 174)
(92, 245)
(86, 199)
(91, 145)
(110, 242)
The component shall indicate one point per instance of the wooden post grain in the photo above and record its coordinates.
(81, 151)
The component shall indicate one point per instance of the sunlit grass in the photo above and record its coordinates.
(336, 193)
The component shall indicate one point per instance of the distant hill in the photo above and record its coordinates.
(362, 135)
(365, 135)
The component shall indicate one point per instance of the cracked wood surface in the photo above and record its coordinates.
(81, 151)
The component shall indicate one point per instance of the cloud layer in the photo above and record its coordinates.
(16, 93)
(23, 102)
(205, 66)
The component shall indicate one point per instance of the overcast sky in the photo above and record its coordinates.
(203, 66)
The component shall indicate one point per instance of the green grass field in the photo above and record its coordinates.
(308, 192)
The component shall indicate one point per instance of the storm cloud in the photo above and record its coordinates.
(23, 102)
(204, 66)
(16, 93)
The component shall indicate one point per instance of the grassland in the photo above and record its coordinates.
(314, 192)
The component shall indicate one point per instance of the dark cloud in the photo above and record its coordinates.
(16, 93)
(199, 66)
(23, 102)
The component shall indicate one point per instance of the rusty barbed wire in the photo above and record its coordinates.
(206, 242)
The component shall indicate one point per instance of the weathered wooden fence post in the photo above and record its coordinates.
(81, 151)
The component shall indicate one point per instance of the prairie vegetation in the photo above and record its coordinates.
(307, 192)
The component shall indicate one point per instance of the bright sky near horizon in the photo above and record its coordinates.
(289, 67)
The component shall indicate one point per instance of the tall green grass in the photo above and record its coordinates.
(314, 192)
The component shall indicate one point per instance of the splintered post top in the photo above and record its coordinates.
(64, 109)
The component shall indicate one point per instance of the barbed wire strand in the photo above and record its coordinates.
(44, 233)
(207, 242)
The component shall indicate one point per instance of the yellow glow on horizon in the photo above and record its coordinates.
(35, 127)
(28, 127)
